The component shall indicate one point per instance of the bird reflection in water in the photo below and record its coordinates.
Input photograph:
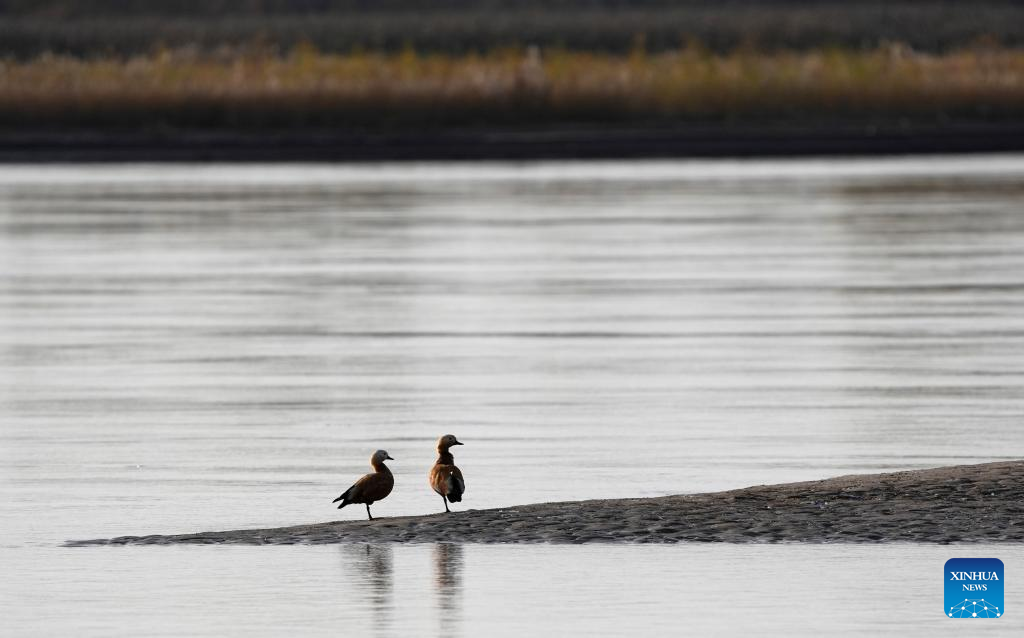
(448, 582)
(372, 567)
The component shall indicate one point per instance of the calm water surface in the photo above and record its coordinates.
(192, 347)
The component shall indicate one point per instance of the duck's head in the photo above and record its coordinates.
(379, 457)
(447, 441)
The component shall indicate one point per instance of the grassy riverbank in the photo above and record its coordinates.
(513, 88)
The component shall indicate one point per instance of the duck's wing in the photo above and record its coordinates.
(377, 486)
(456, 484)
(354, 494)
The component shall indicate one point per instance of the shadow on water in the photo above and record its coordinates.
(448, 564)
(373, 567)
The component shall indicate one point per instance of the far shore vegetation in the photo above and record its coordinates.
(99, 28)
(522, 86)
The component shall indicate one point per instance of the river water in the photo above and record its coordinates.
(193, 347)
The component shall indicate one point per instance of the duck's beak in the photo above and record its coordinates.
(388, 457)
(457, 443)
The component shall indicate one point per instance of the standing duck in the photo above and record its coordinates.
(445, 478)
(372, 487)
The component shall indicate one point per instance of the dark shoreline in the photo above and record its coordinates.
(959, 504)
(513, 145)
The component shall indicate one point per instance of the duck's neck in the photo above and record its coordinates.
(380, 468)
(444, 457)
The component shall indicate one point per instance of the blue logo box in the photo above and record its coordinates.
(974, 588)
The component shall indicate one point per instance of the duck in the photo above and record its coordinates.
(445, 478)
(372, 487)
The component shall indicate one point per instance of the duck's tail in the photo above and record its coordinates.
(343, 498)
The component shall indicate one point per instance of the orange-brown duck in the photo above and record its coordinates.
(445, 478)
(372, 487)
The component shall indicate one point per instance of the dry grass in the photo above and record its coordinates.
(310, 89)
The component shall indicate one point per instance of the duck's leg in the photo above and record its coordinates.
(368, 514)
(445, 499)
